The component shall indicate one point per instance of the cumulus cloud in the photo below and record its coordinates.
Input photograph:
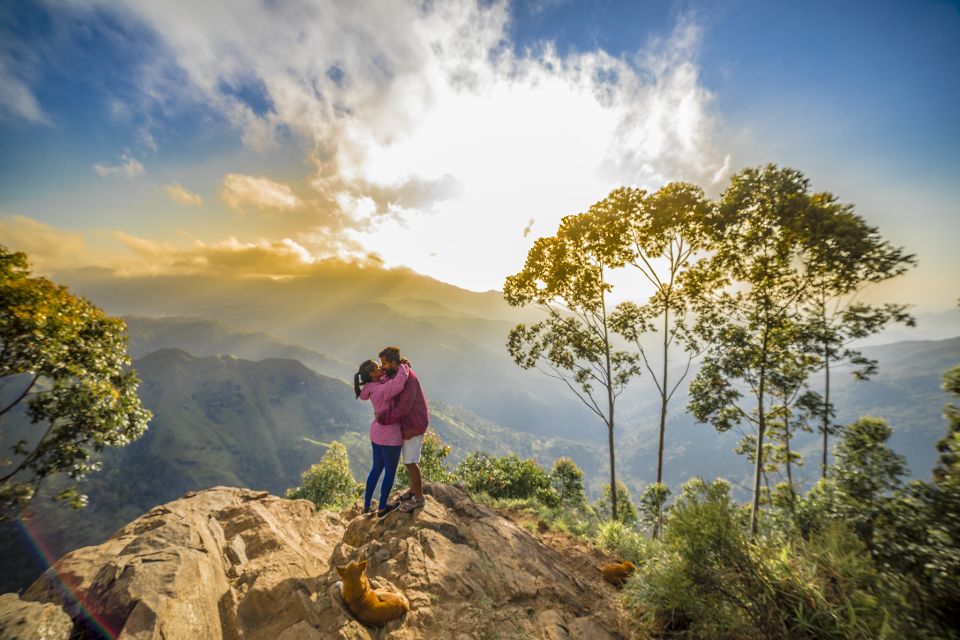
(413, 108)
(178, 193)
(129, 167)
(239, 192)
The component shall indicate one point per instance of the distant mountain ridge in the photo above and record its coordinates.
(456, 338)
(201, 337)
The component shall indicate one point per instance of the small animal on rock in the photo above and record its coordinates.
(616, 573)
(372, 607)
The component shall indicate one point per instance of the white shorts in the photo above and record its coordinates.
(411, 449)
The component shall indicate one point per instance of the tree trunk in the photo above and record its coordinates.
(663, 416)
(826, 415)
(613, 472)
(761, 430)
(758, 472)
(610, 403)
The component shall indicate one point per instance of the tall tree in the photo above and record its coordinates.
(65, 361)
(665, 232)
(747, 302)
(567, 276)
(844, 257)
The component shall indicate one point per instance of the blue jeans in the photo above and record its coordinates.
(385, 460)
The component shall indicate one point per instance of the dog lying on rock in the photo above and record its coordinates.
(616, 573)
(374, 608)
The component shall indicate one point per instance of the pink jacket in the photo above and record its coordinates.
(380, 393)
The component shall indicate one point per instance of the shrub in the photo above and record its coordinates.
(651, 505)
(433, 466)
(626, 511)
(566, 478)
(329, 484)
(506, 477)
(627, 543)
(706, 579)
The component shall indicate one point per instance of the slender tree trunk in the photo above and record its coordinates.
(786, 438)
(610, 403)
(761, 430)
(663, 414)
(826, 415)
(613, 474)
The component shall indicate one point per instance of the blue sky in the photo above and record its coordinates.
(135, 134)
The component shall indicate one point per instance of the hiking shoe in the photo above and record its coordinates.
(413, 504)
(405, 496)
(387, 508)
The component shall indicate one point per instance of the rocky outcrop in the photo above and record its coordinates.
(21, 620)
(233, 563)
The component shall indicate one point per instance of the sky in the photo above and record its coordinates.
(259, 137)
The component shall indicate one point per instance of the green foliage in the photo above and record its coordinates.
(329, 484)
(627, 513)
(917, 536)
(651, 502)
(781, 253)
(67, 361)
(507, 477)
(626, 542)
(706, 579)
(433, 466)
(866, 474)
(567, 277)
(566, 478)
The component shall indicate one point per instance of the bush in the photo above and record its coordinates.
(706, 579)
(433, 466)
(329, 484)
(566, 478)
(652, 500)
(627, 543)
(626, 511)
(507, 477)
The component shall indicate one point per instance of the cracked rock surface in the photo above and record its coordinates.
(240, 564)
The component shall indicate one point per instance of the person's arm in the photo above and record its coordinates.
(402, 405)
(393, 386)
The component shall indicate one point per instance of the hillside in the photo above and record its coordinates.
(455, 338)
(222, 420)
(208, 338)
(234, 563)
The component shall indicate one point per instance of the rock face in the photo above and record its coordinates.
(238, 564)
(20, 620)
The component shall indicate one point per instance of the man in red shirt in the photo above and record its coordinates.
(410, 410)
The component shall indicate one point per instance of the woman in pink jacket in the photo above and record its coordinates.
(370, 384)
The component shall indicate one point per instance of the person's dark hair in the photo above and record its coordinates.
(391, 354)
(363, 375)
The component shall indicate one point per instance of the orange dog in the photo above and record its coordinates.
(616, 573)
(372, 608)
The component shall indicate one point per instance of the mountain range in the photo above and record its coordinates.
(248, 387)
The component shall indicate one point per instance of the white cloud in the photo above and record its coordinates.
(239, 192)
(423, 111)
(129, 167)
(178, 193)
(16, 99)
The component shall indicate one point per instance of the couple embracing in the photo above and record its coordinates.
(397, 429)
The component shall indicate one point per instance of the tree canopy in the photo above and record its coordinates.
(64, 368)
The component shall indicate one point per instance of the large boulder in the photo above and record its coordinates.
(239, 564)
(21, 620)
(221, 563)
(469, 572)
